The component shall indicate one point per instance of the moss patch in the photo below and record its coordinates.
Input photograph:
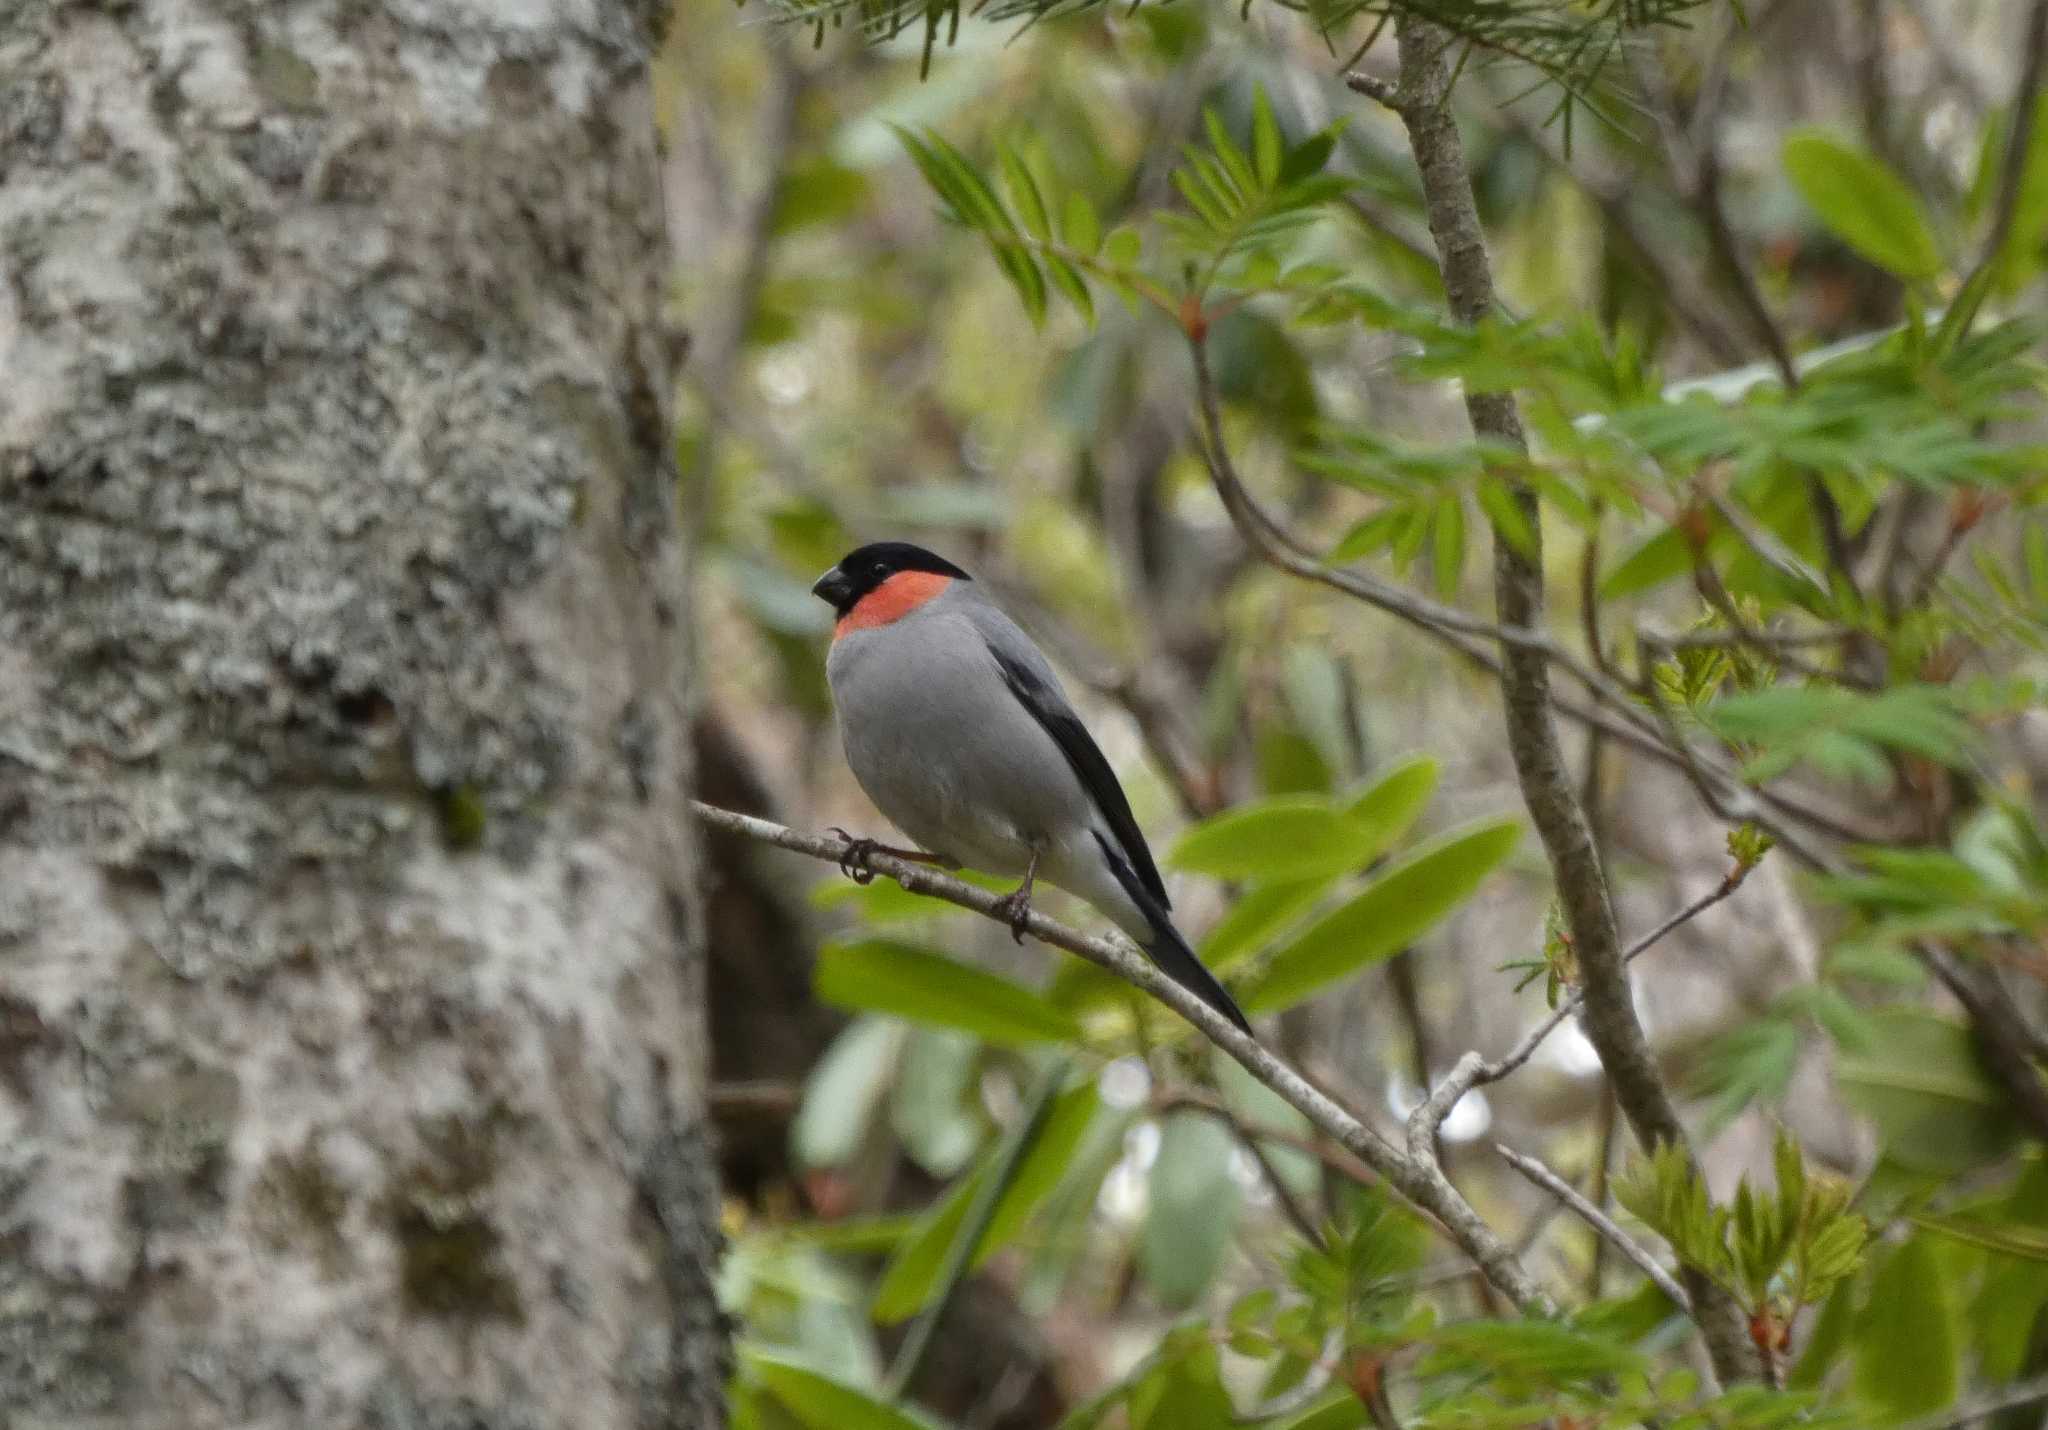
(299, 1204)
(449, 1263)
(462, 817)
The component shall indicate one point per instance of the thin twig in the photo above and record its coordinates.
(1335, 1158)
(1473, 1071)
(2012, 169)
(1620, 1240)
(1422, 98)
(1616, 712)
(1421, 1181)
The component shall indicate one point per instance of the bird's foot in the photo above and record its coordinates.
(1014, 909)
(853, 859)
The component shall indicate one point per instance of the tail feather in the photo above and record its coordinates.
(1178, 962)
(1165, 947)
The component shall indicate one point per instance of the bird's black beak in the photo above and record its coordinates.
(834, 589)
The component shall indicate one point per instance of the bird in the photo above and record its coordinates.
(956, 727)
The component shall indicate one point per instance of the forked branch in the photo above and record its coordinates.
(1418, 1178)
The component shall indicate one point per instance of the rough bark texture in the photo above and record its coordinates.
(351, 1043)
(1422, 99)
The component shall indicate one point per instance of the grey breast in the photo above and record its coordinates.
(940, 744)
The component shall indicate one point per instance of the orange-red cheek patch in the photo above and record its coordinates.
(891, 601)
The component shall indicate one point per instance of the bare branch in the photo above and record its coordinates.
(2012, 170)
(1592, 1216)
(1423, 96)
(1335, 1158)
(1615, 713)
(1420, 1180)
(1474, 1071)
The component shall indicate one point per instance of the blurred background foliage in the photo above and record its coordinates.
(935, 291)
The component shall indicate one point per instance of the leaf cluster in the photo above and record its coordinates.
(1785, 1248)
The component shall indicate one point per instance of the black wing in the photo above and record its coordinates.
(1050, 711)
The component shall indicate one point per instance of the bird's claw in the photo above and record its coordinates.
(1015, 910)
(853, 859)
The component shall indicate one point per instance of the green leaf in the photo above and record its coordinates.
(1548, 1352)
(1393, 910)
(1448, 552)
(1268, 149)
(1079, 227)
(1396, 800)
(884, 976)
(1123, 248)
(1194, 1203)
(911, 1276)
(1867, 205)
(1024, 193)
(823, 1403)
(1258, 915)
(1232, 159)
(1509, 521)
(1906, 1336)
(1937, 1110)
(2027, 1243)
(2019, 256)
(1308, 156)
(1652, 562)
(1068, 280)
(1289, 838)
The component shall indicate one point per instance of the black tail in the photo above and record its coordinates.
(1178, 962)
(1166, 947)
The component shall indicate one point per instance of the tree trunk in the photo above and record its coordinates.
(351, 1020)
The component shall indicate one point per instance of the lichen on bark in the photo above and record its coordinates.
(342, 723)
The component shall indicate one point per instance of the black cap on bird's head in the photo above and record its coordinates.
(863, 569)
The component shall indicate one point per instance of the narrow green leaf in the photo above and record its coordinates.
(1375, 533)
(884, 976)
(1906, 1336)
(1652, 562)
(1267, 146)
(1257, 916)
(1231, 159)
(2027, 1243)
(1448, 552)
(1024, 193)
(911, 1276)
(1080, 228)
(1937, 1110)
(1396, 800)
(1190, 186)
(823, 1403)
(1867, 205)
(1308, 156)
(2034, 545)
(1393, 910)
(1024, 276)
(1509, 521)
(986, 210)
(1290, 837)
(2019, 256)
(1069, 281)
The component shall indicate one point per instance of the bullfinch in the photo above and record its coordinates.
(957, 729)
